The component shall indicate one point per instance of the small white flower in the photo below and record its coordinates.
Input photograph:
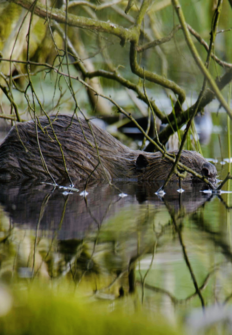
(84, 193)
(180, 190)
(160, 193)
(66, 193)
(122, 195)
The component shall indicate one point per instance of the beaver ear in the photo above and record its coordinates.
(141, 162)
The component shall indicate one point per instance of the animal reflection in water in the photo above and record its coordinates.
(68, 235)
(25, 203)
(32, 150)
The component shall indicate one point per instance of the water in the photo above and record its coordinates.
(107, 234)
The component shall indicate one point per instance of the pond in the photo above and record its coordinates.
(123, 247)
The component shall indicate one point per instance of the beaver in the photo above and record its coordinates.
(65, 148)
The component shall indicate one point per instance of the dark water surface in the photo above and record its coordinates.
(166, 250)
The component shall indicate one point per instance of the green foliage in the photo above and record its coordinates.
(45, 312)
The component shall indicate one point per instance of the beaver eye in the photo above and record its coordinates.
(141, 162)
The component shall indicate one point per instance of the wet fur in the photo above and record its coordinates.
(89, 153)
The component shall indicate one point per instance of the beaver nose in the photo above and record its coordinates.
(209, 170)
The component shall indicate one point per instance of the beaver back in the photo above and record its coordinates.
(33, 148)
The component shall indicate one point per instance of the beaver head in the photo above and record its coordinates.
(155, 166)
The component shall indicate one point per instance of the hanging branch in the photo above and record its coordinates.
(131, 35)
(197, 58)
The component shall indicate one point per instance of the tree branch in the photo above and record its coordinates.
(77, 21)
(175, 124)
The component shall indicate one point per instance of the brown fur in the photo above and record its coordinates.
(89, 152)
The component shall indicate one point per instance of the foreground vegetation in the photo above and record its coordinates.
(46, 311)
